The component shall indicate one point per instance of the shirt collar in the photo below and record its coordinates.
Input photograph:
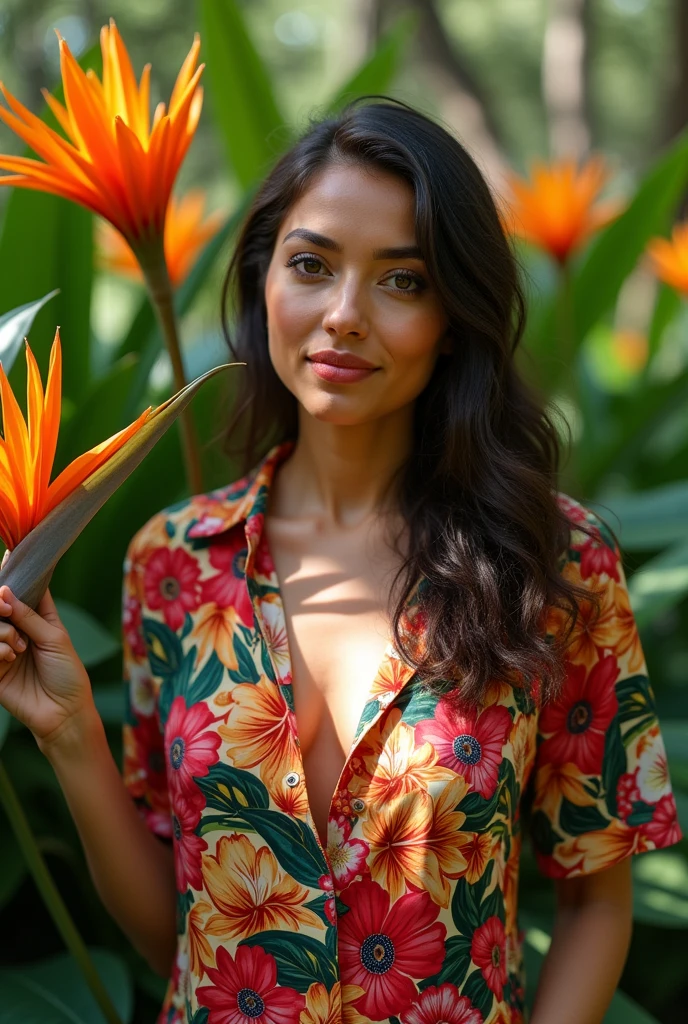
(223, 509)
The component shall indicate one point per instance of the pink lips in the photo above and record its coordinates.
(340, 367)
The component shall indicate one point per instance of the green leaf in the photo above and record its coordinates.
(246, 671)
(207, 681)
(375, 75)
(475, 989)
(301, 960)
(292, 842)
(53, 990)
(675, 734)
(613, 767)
(576, 821)
(457, 960)
(110, 700)
(464, 906)
(232, 789)
(15, 325)
(649, 519)
(164, 648)
(92, 642)
(244, 105)
(660, 584)
(667, 306)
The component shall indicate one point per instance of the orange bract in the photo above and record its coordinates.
(186, 232)
(112, 161)
(669, 259)
(554, 210)
(27, 450)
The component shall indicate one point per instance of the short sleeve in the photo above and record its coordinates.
(143, 767)
(601, 786)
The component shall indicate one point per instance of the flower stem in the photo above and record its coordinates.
(51, 896)
(154, 267)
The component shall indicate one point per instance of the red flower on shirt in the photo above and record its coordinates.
(488, 951)
(188, 846)
(443, 1004)
(191, 745)
(245, 989)
(664, 828)
(170, 581)
(228, 586)
(577, 722)
(131, 625)
(382, 948)
(468, 743)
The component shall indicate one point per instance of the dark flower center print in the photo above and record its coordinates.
(496, 956)
(377, 953)
(250, 1003)
(177, 752)
(239, 565)
(156, 761)
(580, 717)
(467, 749)
(169, 588)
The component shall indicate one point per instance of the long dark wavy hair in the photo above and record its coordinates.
(478, 492)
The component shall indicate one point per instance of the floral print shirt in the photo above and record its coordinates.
(409, 914)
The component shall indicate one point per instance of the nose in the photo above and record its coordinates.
(345, 313)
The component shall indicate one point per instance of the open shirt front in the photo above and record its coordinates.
(410, 913)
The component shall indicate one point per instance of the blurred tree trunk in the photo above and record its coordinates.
(565, 79)
(465, 104)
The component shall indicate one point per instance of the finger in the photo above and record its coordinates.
(10, 636)
(6, 653)
(27, 620)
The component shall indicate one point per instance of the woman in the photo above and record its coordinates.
(356, 670)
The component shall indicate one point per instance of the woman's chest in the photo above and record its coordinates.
(335, 592)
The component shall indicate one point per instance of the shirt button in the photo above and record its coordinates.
(357, 804)
(292, 779)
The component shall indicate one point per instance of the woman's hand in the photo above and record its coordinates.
(43, 682)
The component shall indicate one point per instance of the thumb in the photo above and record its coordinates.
(43, 632)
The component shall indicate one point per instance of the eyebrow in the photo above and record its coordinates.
(401, 252)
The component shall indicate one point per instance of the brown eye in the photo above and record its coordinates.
(311, 266)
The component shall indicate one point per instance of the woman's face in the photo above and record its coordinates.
(329, 288)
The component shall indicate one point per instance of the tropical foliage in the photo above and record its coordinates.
(623, 392)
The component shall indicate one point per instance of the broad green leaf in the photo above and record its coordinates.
(53, 990)
(635, 417)
(675, 733)
(243, 100)
(660, 888)
(660, 584)
(109, 701)
(649, 519)
(29, 568)
(615, 251)
(92, 642)
(301, 960)
(375, 75)
(667, 305)
(14, 326)
(623, 1010)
